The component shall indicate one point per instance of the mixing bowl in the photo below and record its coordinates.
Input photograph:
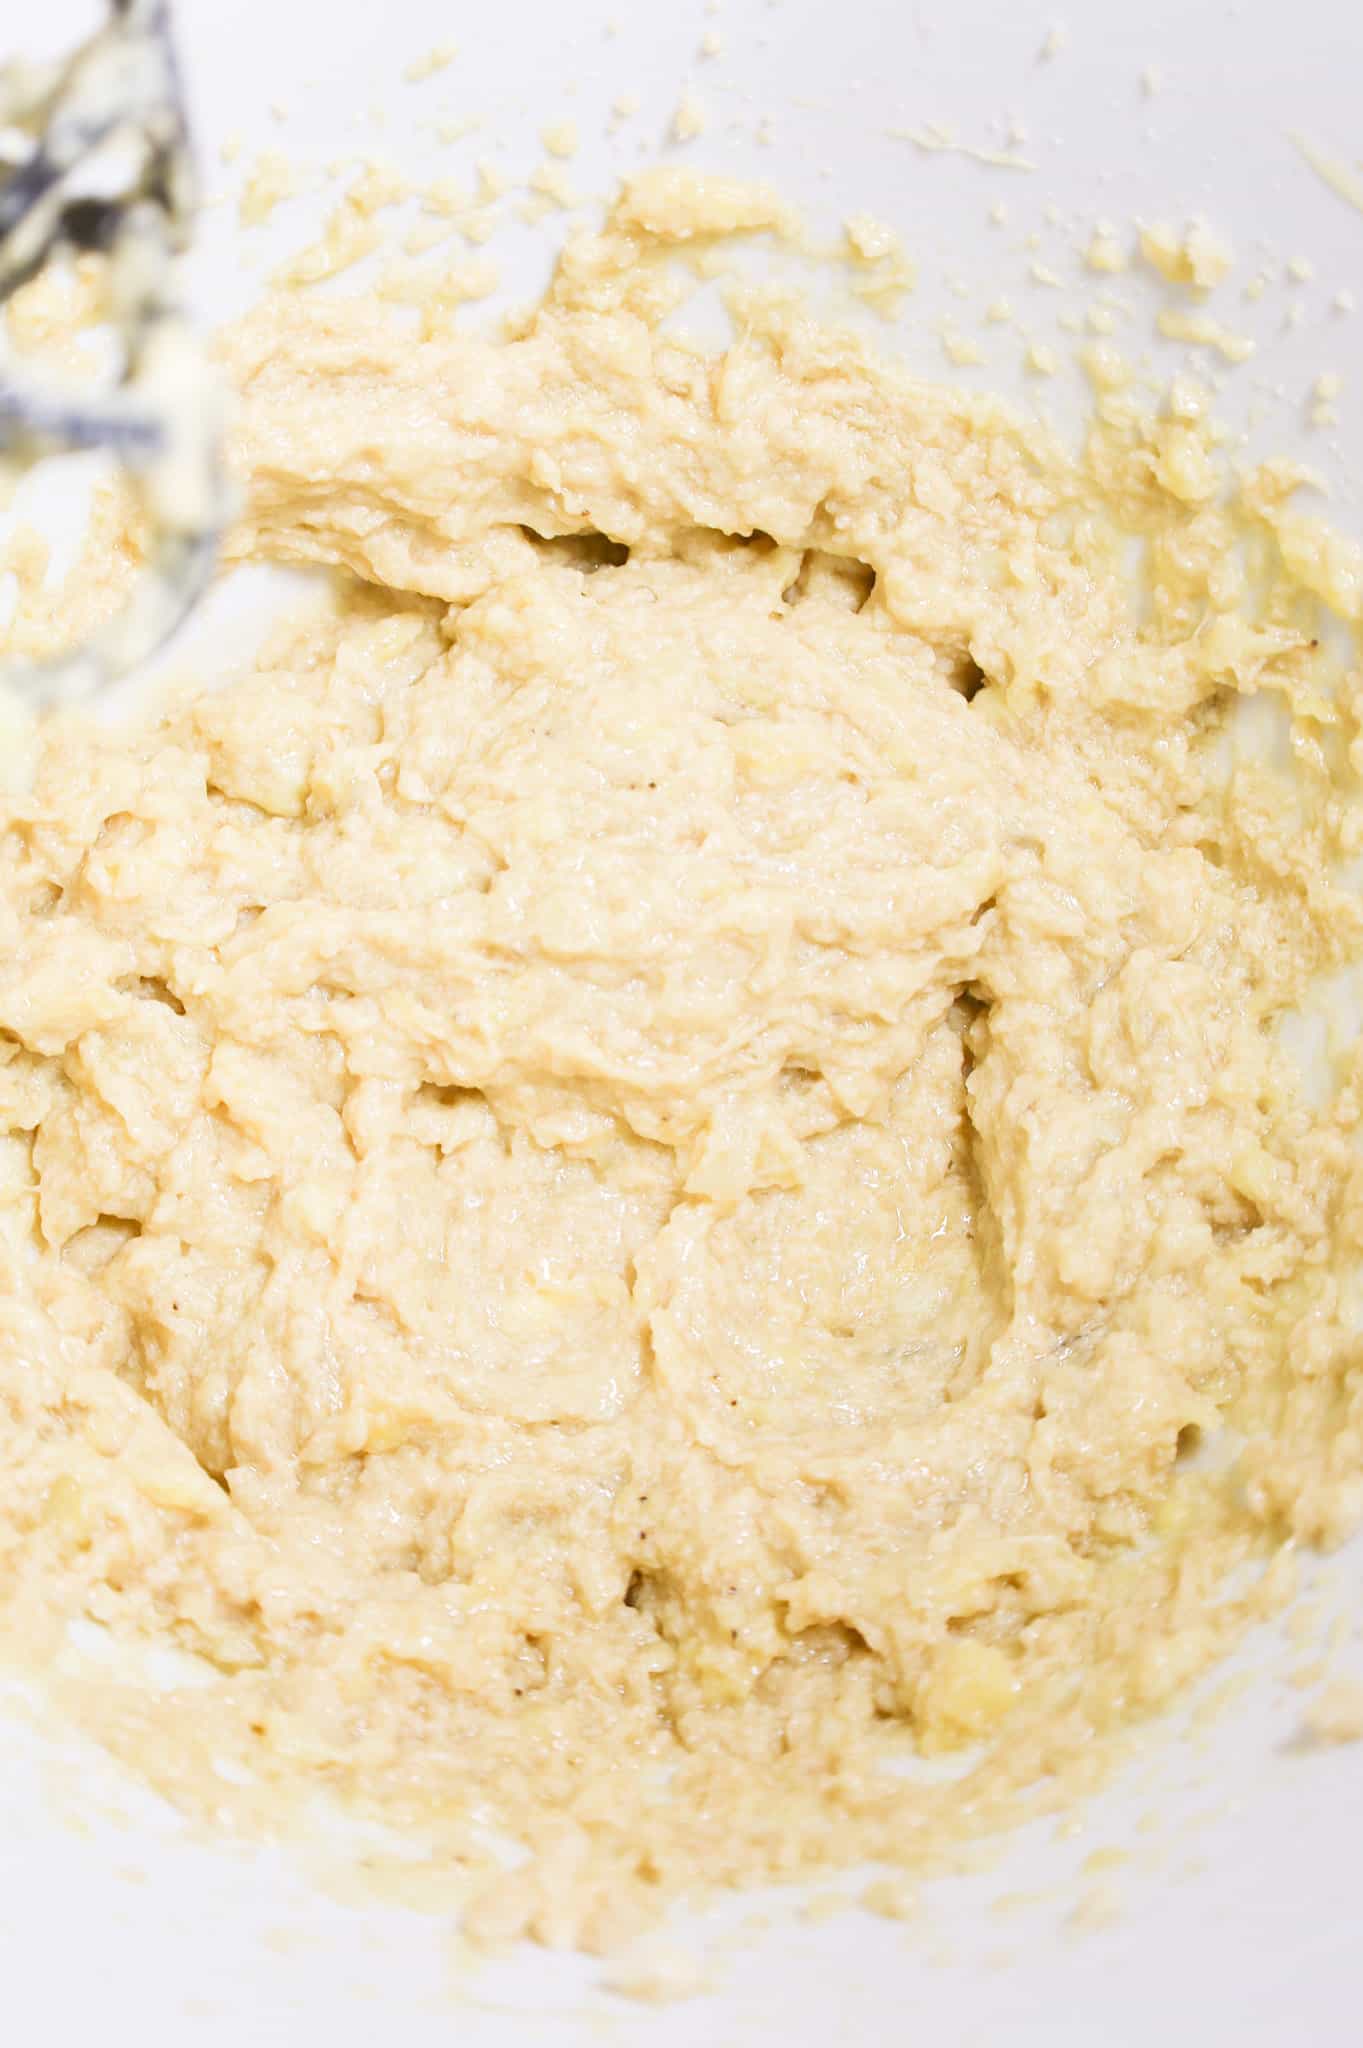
(1206, 1895)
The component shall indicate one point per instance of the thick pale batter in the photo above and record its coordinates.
(630, 1173)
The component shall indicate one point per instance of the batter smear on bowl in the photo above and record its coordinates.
(629, 1173)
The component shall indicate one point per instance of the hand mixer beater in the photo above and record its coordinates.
(95, 157)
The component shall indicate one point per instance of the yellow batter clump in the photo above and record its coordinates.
(629, 1173)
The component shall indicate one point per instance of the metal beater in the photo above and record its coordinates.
(94, 156)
